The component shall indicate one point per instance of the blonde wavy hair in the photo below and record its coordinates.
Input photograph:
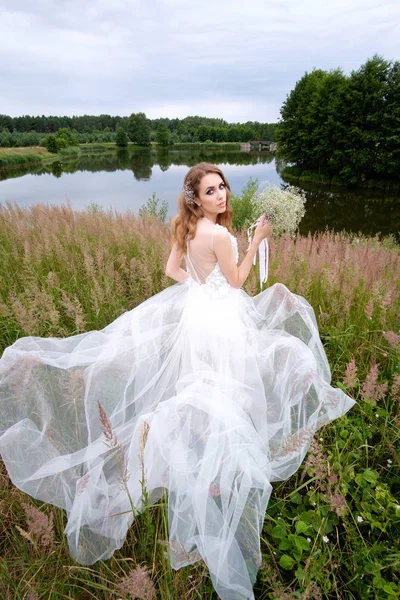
(184, 224)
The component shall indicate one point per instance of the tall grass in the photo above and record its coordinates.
(13, 158)
(16, 160)
(332, 530)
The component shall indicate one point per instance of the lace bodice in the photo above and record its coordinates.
(201, 262)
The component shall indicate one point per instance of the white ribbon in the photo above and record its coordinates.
(262, 253)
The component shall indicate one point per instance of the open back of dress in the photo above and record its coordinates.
(200, 257)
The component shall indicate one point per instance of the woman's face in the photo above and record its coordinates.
(212, 195)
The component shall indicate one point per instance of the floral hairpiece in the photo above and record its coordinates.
(188, 193)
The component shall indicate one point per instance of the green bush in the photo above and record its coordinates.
(65, 138)
(121, 137)
(150, 209)
(243, 205)
(51, 144)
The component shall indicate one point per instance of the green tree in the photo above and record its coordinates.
(102, 128)
(121, 137)
(6, 122)
(139, 129)
(65, 138)
(345, 127)
(163, 135)
(364, 111)
(31, 138)
(221, 134)
(389, 146)
(294, 132)
(5, 138)
(324, 123)
(50, 142)
(233, 134)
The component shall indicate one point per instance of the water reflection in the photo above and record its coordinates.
(161, 171)
(362, 210)
(141, 162)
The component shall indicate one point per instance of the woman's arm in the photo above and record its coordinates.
(237, 275)
(173, 267)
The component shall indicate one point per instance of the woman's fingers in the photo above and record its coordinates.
(263, 229)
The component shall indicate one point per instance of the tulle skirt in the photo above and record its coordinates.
(209, 397)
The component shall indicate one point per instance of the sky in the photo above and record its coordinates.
(229, 59)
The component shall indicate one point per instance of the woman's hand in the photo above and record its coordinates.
(263, 229)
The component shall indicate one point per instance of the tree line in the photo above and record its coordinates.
(31, 131)
(344, 128)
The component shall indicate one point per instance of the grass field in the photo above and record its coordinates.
(12, 158)
(15, 158)
(332, 531)
(25, 151)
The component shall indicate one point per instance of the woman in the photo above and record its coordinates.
(202, 389)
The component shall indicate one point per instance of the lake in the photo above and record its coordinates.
(125, 179)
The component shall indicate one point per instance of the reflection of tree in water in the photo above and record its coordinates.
(192, 156)
(141, 164)
(123, 156)
(358, 210)
(13, 173)
(280, 164)
(56, 169)
(163, 159)
(141, 161)
(108, 161)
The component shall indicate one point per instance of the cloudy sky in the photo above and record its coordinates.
(233, 59)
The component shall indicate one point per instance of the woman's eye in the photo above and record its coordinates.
(221, 184)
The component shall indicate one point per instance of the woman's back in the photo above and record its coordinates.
(200, 256)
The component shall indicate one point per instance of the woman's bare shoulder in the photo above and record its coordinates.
(220, 231)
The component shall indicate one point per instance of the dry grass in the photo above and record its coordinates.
(63, 272)
(26, 150)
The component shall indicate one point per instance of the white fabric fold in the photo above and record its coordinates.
(229, 391)
(263, 252)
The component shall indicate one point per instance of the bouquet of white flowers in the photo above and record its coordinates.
(284, 208)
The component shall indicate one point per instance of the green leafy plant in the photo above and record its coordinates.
(150, 208)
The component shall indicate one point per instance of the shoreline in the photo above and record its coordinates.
(21, 157)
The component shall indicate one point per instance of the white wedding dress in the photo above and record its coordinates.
(215, 393)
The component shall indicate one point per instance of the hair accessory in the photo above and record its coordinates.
(188, 193)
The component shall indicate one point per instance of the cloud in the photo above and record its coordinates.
(228, 59)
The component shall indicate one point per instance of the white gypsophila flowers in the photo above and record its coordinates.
(284, 208)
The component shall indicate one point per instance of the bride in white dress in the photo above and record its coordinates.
(212, 394)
